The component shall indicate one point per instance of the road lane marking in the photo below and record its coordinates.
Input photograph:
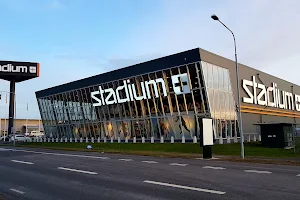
(259, 172)
(123, 159)
(18, 191)
(178, 164)
(77, 170)
(151, 162)
(3, 149)
(185, 187)
(211, 167)
(62, 154)
(298, 175)
(23, 162)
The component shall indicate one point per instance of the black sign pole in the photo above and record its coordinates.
(11, 106)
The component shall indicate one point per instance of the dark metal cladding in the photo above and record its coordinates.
(142, 68)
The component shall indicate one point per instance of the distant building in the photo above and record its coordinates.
(20, 125)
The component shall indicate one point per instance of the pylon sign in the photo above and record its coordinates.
(14, 72)
(19, 71)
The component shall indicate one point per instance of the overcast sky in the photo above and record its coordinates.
(74, 39)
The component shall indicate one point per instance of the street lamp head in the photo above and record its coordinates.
(215, 17)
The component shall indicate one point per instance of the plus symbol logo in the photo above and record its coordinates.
(181, 84)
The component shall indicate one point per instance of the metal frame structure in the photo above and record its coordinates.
(65, 114)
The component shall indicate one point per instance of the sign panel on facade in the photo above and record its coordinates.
(270, 96)
(140, 91)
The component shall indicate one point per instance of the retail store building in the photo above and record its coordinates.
(168, 97)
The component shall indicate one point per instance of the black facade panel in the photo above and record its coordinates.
(182, 58)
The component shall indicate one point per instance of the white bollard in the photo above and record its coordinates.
(98, 140)
(75, 140)
(66, 139)
(86, 140)
(56, 139)
(195, 140)
(220, 140)
(249, 138)
(228, 140)
(92, 139)
(126, 140)
(143, 139)
(81, 140)
(52, 139)
(48, 140)
(235, 140)
(183, 139)
(259, 138)
(61, 140)
(152, 139)
(71, 139)
(134, 139)
(254, 138)
(111, 140)
(161, 139)
(119, 140)
(172, 139)
(105, 140)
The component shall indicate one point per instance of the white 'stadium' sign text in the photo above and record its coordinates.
(270, 96)
(18, 69)
(110, 96)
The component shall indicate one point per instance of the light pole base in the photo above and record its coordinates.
(207, 152)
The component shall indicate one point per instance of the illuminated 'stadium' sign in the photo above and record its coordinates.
(269, 96)
(131, 92)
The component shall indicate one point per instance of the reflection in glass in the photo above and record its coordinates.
(221, 100)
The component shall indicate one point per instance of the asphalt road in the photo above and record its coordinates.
(27, 173)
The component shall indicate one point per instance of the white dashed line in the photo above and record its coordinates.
(123, 159)
(23, 162)
(17, 191)
(178, 164)
(211, 167)
(259, 172)
(3, 149)
(151, 162)
(77, 170)
(61, 154)
(185, 187)
(298, 175)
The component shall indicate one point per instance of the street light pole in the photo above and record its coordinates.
(216, 18)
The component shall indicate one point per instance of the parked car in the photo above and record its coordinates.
(36, 134)
(4, 138)
(19, 138)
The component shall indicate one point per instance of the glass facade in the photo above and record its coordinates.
(221, 100)
(160, 112)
